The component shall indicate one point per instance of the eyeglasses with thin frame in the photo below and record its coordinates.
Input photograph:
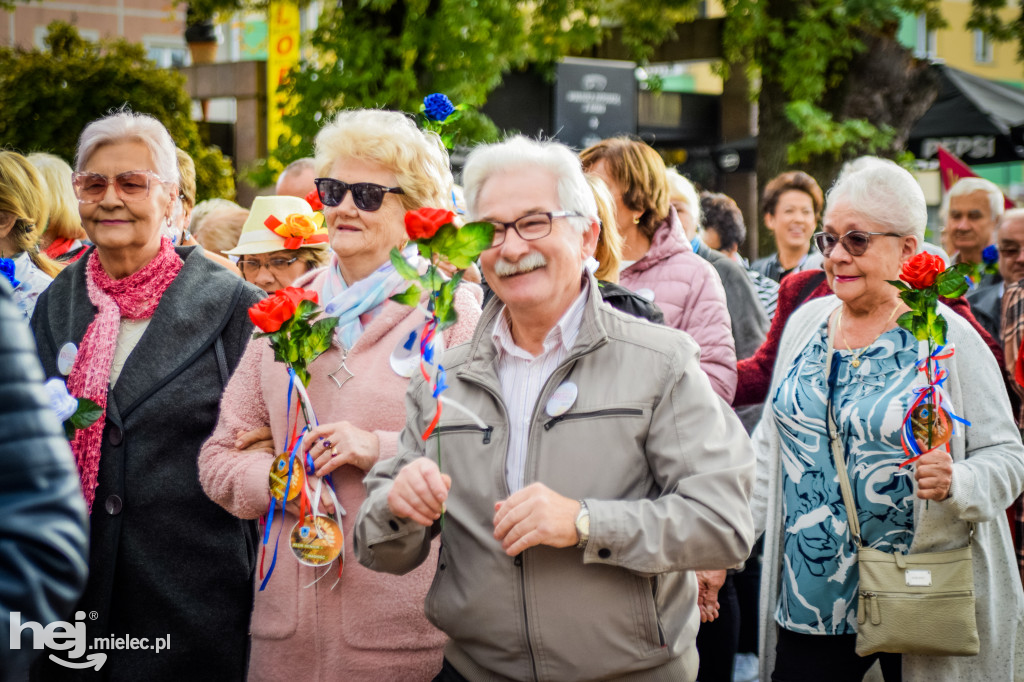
(529, 227)
(856, 242)
(90, 188)
(367, 196)
(251, 267)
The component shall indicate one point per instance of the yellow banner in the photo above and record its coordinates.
(282, 55)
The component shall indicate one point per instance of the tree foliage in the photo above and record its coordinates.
(391, 53)
(48, 96)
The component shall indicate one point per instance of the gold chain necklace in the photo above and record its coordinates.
(857, 353)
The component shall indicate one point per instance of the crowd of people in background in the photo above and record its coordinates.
(637, 479)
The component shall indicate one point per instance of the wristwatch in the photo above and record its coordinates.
(583, 526)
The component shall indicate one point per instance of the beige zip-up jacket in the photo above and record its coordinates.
(664, 466)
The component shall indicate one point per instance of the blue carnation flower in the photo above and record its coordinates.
(990, 254)
(437, 107)
(7, 270)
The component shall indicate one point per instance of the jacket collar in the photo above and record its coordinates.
(480, 363)
(668, 240)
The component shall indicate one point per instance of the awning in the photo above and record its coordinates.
(979, 120)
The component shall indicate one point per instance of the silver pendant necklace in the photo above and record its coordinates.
(341, 367)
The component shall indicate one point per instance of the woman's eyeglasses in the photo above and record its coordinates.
(856, 242)
(367, 196)
(90, 188)
(251, 267)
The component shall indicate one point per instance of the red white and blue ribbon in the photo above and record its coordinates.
(935, 393)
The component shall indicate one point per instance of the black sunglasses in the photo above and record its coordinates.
(856, 242)
(367, 196)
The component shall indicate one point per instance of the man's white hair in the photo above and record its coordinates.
(522, 154)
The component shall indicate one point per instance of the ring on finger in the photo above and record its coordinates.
(327, 444)
(334, 452)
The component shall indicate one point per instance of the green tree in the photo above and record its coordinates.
(391, 53)
(48, 96)
(834, 82)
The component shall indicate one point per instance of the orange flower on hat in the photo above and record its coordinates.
(296, 228)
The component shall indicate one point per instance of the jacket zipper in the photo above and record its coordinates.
(518, 561)
(616, 412)
(466, 427)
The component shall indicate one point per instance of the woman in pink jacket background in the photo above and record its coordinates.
(371, 626)
(658, 258)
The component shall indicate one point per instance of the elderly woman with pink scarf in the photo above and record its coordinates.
(151, 333)
(374, 166)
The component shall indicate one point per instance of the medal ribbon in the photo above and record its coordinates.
(937, 394)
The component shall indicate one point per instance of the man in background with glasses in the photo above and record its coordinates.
(590, 470)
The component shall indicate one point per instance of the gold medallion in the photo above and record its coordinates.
(279, 477)
(317, 540)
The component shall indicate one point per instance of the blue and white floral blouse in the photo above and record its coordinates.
(819, 572)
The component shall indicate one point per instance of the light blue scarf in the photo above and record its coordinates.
(349, 303)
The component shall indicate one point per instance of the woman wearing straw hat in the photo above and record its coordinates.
(282, 239)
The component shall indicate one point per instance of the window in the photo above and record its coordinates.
(982, 48)
(927, 44)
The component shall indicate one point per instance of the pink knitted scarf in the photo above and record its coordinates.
(135, 297)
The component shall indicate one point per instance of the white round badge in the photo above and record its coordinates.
(562, 399)
(66, 358)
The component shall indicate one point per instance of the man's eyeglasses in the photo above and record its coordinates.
(367, 196)
(856, 242)
(90, 188)
(529, 227)
(250, 267)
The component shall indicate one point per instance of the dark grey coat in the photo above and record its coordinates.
(164, 559)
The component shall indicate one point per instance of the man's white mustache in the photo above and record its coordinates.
(531, 261)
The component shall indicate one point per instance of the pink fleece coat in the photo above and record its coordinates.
(690, 294)
(371, 626)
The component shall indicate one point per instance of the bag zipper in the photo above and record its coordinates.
(613, 412)
(876, 618)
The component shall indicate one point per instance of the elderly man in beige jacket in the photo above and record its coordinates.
(597, 472)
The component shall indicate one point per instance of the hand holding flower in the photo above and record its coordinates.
(934, 474)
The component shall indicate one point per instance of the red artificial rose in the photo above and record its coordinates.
(423, 223)
(269, 314)
(297, 295)
(921, 270)
(314, 200)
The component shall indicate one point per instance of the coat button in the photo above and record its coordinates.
(115, 435)
(113, 505)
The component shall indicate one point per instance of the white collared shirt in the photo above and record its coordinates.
(523, 376)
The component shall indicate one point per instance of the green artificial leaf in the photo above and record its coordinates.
(409, 297)
(293, 354)
(320, 335)
(403, 267)
(86, 414)
(443, 240)
(906, 320)
(424, 250)
(951, 284)
(938, 330)
(446, 317)
(921, 330)
(305, 310)
(302, 374)
(899, 284)
(469, 243)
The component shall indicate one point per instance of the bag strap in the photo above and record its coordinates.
(837, 449)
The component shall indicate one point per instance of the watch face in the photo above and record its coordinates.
(583, 525)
